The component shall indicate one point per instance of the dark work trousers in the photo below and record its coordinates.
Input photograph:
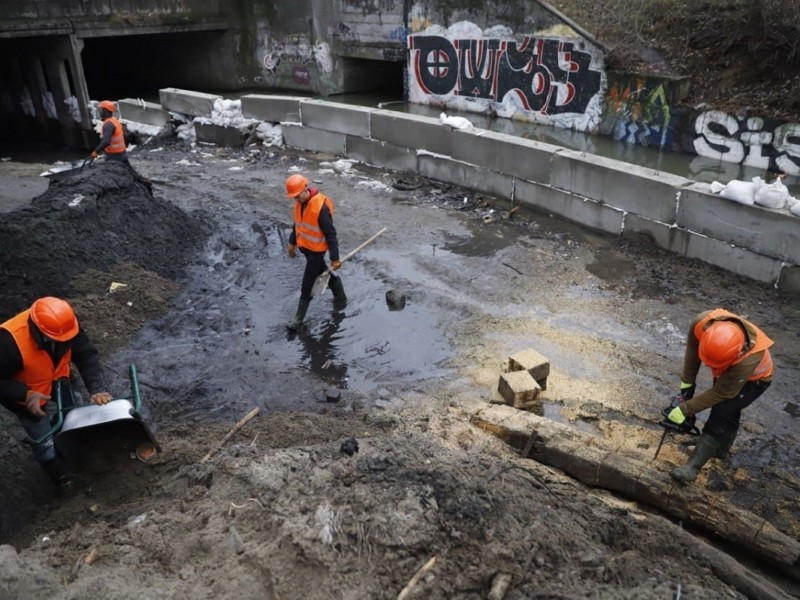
(315, 266)
(723, 423)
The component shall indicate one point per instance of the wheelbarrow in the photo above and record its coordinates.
(101, 430)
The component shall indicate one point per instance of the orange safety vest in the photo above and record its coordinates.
(306, 225)
(762, 342)
(117, 145)
(38, 372)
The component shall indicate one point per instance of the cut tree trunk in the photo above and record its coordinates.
(635, 475)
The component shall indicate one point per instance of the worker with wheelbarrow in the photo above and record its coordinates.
(36, 349)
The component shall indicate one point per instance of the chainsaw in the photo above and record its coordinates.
(688, 427)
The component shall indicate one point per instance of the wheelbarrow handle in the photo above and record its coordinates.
(56, 427)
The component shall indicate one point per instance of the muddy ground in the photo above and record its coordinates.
(281, 511)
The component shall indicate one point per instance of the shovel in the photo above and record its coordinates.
(322, 281)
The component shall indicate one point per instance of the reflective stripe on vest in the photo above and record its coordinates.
(306, 225)
(762, 342)
(38, 372)
(117, 145)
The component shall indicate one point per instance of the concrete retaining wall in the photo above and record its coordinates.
(604, 194)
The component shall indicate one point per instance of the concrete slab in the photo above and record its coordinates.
(218, 134)
(789, 280)
(757, 228)
(187, 102)
(336, 117)
(645, 192)
(316, 140)
(583, 211)
(411, 131)
(274, 109)
(381, 154)
(139, 111)
(504, 153)
(460, 173)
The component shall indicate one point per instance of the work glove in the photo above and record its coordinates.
(292, 250)
(32, 403)
(94, 154)
(677, 416)
(687, 390)
(336, 264)
(100, 398)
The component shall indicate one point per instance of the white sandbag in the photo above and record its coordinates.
(742, 192)
(795, 210)
(773, 195)
(717, 187)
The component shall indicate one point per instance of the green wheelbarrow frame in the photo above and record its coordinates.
(119, 424)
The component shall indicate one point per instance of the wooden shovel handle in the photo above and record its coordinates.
(369, 241)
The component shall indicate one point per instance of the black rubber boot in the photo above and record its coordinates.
(59, 474)
(302, 308)
(725, 446)
(707, 447)
(339, 297)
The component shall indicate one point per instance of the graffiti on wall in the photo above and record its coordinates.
(639, 112)
(538, 78)
(295, 53)
(752, 141)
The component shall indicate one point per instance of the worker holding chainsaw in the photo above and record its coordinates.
(36, 349)
(737, 352)
(313, 234)
(112, 142)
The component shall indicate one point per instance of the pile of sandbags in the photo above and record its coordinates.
(757, 191)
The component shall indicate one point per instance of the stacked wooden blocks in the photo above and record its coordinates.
(525, 379)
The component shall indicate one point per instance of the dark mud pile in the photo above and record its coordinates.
(98, 229)
(96, 219)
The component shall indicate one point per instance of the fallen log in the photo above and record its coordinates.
(634, 475)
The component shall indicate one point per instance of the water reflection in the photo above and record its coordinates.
(697, 168)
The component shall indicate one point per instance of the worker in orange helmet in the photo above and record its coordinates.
(737, 352)
(112, 143)
(314, 234)
(36, 348)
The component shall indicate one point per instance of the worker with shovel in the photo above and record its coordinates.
(737, 352)
(112, 143)
(314, 234)
(36, 348)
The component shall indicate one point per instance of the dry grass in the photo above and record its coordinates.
(738, 54)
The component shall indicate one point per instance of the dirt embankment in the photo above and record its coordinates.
(283, 511)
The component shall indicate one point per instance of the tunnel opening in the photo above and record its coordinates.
(379, 77)
(137, 66)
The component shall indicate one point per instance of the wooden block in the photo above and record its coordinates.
(519, 389)
(534, 363)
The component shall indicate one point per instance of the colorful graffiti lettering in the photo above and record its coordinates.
(749, 141)
(543, 75)
(639, 114)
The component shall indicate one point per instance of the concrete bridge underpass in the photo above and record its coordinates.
(56, 56)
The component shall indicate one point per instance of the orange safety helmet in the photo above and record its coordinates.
(721, 344)
(54, 318)
(108, 105)
(295, 184)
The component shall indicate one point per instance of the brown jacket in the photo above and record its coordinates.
(731, 381)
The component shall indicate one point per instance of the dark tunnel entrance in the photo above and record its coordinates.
(137, 66)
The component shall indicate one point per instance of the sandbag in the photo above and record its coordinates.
(773, 195)
(743, 192)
